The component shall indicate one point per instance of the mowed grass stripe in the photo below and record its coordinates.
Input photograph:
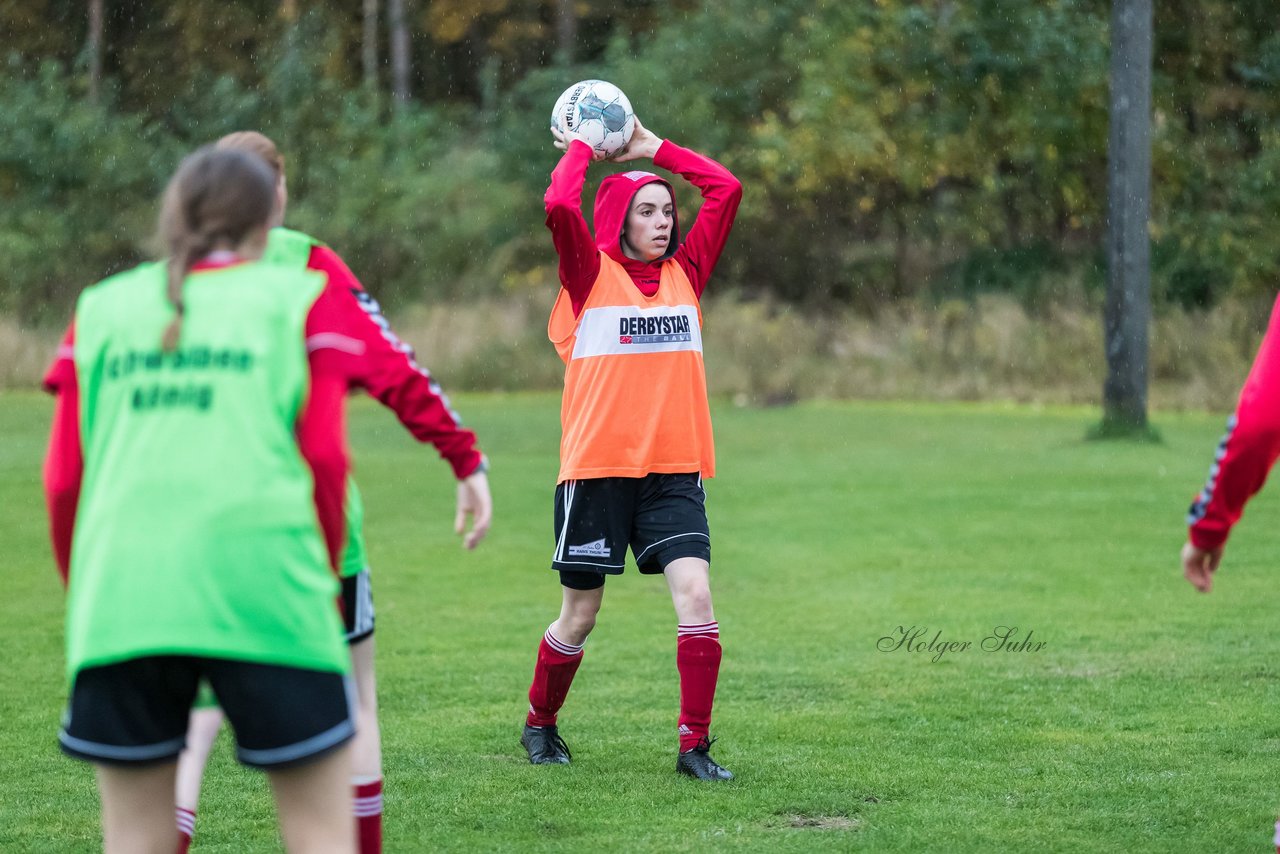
(1146, 721)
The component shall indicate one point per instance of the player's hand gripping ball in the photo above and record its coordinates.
(598, 112)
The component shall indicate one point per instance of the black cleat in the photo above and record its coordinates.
(698, 763)
(545, 745)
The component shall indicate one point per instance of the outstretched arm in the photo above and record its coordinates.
(387, 369)
(1243, 459)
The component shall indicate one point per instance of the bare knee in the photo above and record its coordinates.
(575, 626)
(694, 606)
(577, 615)
(690, 591)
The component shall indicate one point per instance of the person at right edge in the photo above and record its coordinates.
(1240, 466)
(636, 440)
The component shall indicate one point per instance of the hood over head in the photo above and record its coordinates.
(612, 203)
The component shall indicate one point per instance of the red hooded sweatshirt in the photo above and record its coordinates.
(579, 251)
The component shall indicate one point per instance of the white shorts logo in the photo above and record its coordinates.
(595, 549)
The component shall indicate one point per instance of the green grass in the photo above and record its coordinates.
(1148, 722)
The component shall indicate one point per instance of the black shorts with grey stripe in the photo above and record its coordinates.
(661, 517)
(357, 606)
(135, 712)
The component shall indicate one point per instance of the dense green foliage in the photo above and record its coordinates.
(1147, 722)
(890, 150)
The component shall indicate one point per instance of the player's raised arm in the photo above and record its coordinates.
(575, 247)
(721, 194)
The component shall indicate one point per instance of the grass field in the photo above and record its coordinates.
(1148, 721)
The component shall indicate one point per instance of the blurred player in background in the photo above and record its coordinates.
(197, 436)
(636, 424)
(393, 377)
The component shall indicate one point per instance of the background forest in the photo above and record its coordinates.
(925, 181)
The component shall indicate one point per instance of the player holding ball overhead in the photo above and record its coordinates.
(637, 440)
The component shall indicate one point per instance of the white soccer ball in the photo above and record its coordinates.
(599, 111)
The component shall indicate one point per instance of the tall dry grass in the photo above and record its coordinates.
(25, 354)
(764, 353)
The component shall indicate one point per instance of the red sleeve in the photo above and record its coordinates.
(579, 257)
(721, 194)
(63, 467)
(63, 367)
(321, 428)
(1247, 451)
(386, 368)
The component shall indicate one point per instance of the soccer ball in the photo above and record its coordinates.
(599, 112)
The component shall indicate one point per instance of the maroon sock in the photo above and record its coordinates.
(552, 676)
(186, 828)
(368, 809)
(698, 660)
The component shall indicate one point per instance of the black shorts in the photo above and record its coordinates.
(135, 712)
(662, 517)
(357, 606)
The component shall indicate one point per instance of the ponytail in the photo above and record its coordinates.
(178, 265)
(214, 196)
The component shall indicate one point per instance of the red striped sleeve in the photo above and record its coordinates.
(387, 368)
(1248, 450)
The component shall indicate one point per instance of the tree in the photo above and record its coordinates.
(1128, 306)
(566, 30)
(369, 44)
(93, 47)
(399, 50)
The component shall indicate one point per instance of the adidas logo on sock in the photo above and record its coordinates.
(593, 549)
(684, 730)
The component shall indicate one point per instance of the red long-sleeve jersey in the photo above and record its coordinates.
(1247, 451)
(579, 252)
(335, 355)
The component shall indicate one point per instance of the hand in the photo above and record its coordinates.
(643, 144)
(473, 501)
(564, 137)
(1199, 565)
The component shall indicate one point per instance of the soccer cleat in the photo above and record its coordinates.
(545, 745)
(698, 763)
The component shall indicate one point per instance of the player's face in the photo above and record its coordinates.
(649, 223)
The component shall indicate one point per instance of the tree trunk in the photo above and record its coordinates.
(93, 47)
(1128, 308)
(369, 47)
(399, 50)
(566, 30)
